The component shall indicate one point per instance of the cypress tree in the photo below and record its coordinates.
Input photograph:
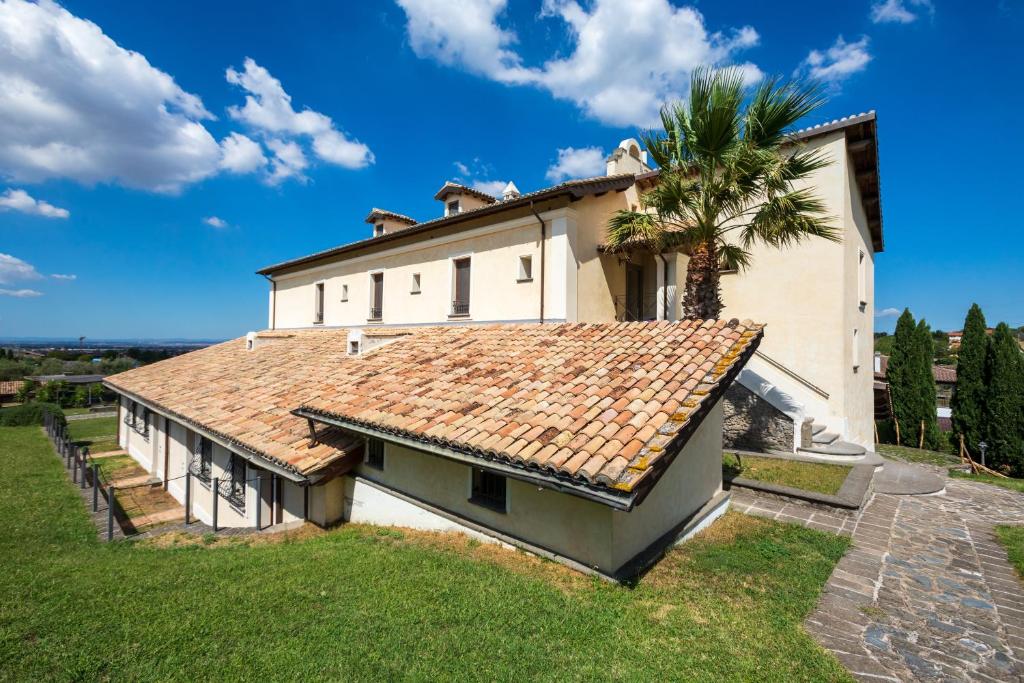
(901, 374)
(968, 401)
(924, 383)
(1004, 403)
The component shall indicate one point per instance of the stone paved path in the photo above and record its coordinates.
(926, 593)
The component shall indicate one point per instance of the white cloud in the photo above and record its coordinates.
(61, 276)
(887, 313)
(838, 62)
(19, 200)
(462, 168)
(241, 154)
(75, 104)
(491, 187)
(268, 110)
(577, 163)
(215, 222)
(628, 57)
(898, 12)
(20, 293)
(13, 268)
(289, 162)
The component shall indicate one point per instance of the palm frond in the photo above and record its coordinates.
(632, 229)
(789, 218)
(776, 106)
(733, 256)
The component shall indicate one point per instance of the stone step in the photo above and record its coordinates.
(824, 437)
(844, 448)
(817, 428)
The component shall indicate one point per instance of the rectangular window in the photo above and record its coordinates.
(344, 292)
(460, 287)
(234, 490)
(378, 230)
(375, 453)
(415, 284)
(525, 268)
(453, 207)
(862, 278)
(202, 460)
(376, 296)
(318, 304)
(489, 490)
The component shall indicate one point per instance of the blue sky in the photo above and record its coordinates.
(130, 160)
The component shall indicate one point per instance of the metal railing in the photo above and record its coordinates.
(376, 313)
(460, 307)
(631, 309)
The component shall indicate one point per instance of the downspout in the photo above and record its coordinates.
(543, 238)
(273, 301)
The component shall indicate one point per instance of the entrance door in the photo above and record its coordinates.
(634, 292)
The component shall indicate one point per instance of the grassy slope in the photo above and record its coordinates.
(98, 433)
(1012, 537)
(916, 455)
(1012, 484)
(378, 605)
(809, 476)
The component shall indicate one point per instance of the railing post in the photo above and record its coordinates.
(74, 464)
(110, 512)
(95, 487)
(259, 501)
(84, 458)
(216, 486)
(188, 494)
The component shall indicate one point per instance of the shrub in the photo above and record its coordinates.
(29, 414)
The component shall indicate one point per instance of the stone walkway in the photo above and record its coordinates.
(925, 592)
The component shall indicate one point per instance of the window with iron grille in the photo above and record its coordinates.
(202, 460)
(234, 488)
(375, 453)
(460, 286)
(489, 490)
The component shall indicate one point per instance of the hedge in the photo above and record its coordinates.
(30, 414)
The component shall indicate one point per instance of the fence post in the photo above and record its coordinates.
(74, 464)
(259, 501)
(216, 486)
(84, 459)
(95, 487)
(110, 512)
(188, 494)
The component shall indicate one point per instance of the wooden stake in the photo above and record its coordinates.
(920, 443)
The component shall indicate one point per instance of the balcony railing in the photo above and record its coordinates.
(631, 309)
(460, 308)
(376, 313)
(233, 492)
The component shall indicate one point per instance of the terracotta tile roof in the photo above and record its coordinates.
(9, 388)
(604, 406)
(572, 188)
(455, 188)
(945, 374)
(384, 213)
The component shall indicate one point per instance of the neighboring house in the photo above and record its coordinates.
(945, 383)
(9, 389)
(539, 257)
(595, 444)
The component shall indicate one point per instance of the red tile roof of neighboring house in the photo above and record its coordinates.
(944, 374)
(10, 388)
(603, 406)
(376, 213)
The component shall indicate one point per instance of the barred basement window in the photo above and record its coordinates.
(489, 490)
(375, 453)
(233, 489)
(201, 465)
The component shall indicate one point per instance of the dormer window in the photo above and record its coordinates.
(453, 207)
(378, 230)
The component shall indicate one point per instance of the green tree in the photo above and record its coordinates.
(902, 375)
(728, 174)
(968, 403)
(1004, 403)
(24, 393)
(80, 398)
(927, 427)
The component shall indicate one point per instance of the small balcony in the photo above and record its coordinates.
(376, 314)
(460, 309)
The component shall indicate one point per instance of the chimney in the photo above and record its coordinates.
(627, 158)
(510, 192)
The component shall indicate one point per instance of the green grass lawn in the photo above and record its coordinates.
(98, 433)
(1012, 537)
(371, 604)
(117, 467)
(809, 476)
(1012, 484)
(908, 454)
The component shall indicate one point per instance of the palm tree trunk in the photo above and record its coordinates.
(702, 300)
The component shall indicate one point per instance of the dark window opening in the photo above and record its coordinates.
(376, 296)
(460, 302)
(489, 490)
(318, 304)
(202, 460)
(375, 453)
(233, 489)
(453, 207)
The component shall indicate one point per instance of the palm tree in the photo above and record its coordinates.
(726, 181)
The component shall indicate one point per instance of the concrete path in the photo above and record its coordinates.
(926, 593)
